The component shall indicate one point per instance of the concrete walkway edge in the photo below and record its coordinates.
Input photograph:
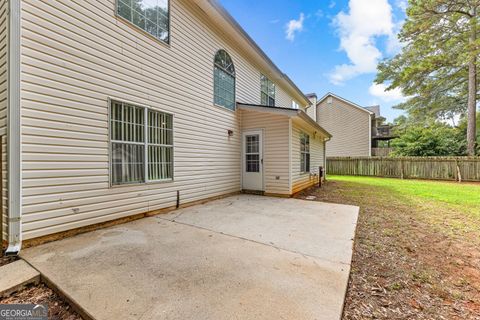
(66, 297)
(16, 276)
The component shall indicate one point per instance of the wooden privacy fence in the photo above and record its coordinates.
(435, 168)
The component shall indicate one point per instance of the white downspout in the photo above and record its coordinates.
(14, 152)
(325, 140)
(370, 135)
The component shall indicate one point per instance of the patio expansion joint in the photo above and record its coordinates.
(257, 242)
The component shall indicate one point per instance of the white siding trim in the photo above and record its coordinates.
(14, 153)
(3, 114)
(290, 148)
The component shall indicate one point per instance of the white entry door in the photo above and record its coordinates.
(253, 160)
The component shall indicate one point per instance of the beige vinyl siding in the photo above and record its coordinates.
(275, 157)
(302, 180)
(75, 55)
(349, 127)
(3, 112)
(282, 98)
(311, 112)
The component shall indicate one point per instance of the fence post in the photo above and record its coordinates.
(459, 173)
(402, 174)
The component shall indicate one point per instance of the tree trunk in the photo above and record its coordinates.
(472, 95)
(472, 108)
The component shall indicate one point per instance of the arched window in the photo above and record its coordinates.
(224, 80)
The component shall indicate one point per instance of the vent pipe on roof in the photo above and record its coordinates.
(312, 109)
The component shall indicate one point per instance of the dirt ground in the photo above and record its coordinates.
(57, 308)
(404, 265)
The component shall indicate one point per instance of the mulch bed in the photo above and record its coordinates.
(58, 309)
(6, 260)
(403, 267)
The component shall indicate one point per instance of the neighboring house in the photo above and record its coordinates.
(118, 108)
(382, 134)
(356, 131)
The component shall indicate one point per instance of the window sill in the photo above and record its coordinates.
(148, 183)
(145, 33)
(224, 108)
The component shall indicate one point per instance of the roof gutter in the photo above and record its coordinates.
(228, 17)
(14, 154)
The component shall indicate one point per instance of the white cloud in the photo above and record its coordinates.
(380, 91)
(332, 4)
(393, 43)
(294, 26)
(402, 4)
(366, 20)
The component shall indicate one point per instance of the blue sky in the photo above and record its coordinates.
(327, 45)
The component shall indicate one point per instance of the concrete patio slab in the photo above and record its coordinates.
(15, 276)
(159, 269)
(317, 229)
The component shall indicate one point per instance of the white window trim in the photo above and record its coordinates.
(234, 76)
(130, 24)
(146, 144)
(303, 153)
(274, 90)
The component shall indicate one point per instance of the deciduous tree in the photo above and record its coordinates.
(437, 67)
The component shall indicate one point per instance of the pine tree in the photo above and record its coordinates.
(437, 67)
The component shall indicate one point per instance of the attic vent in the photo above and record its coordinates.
(329, 100)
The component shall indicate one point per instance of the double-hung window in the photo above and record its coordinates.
(304, 152)
(267, 91)
(152, 16)
(224, 80)
(141, 144)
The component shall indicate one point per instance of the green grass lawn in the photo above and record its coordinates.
(451, 194)
(416, 252)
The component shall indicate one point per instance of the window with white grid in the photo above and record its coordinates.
(224, 80)
(141, 144)
(152, 16)
(267, 91)
(304, 152)
(252, 153)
